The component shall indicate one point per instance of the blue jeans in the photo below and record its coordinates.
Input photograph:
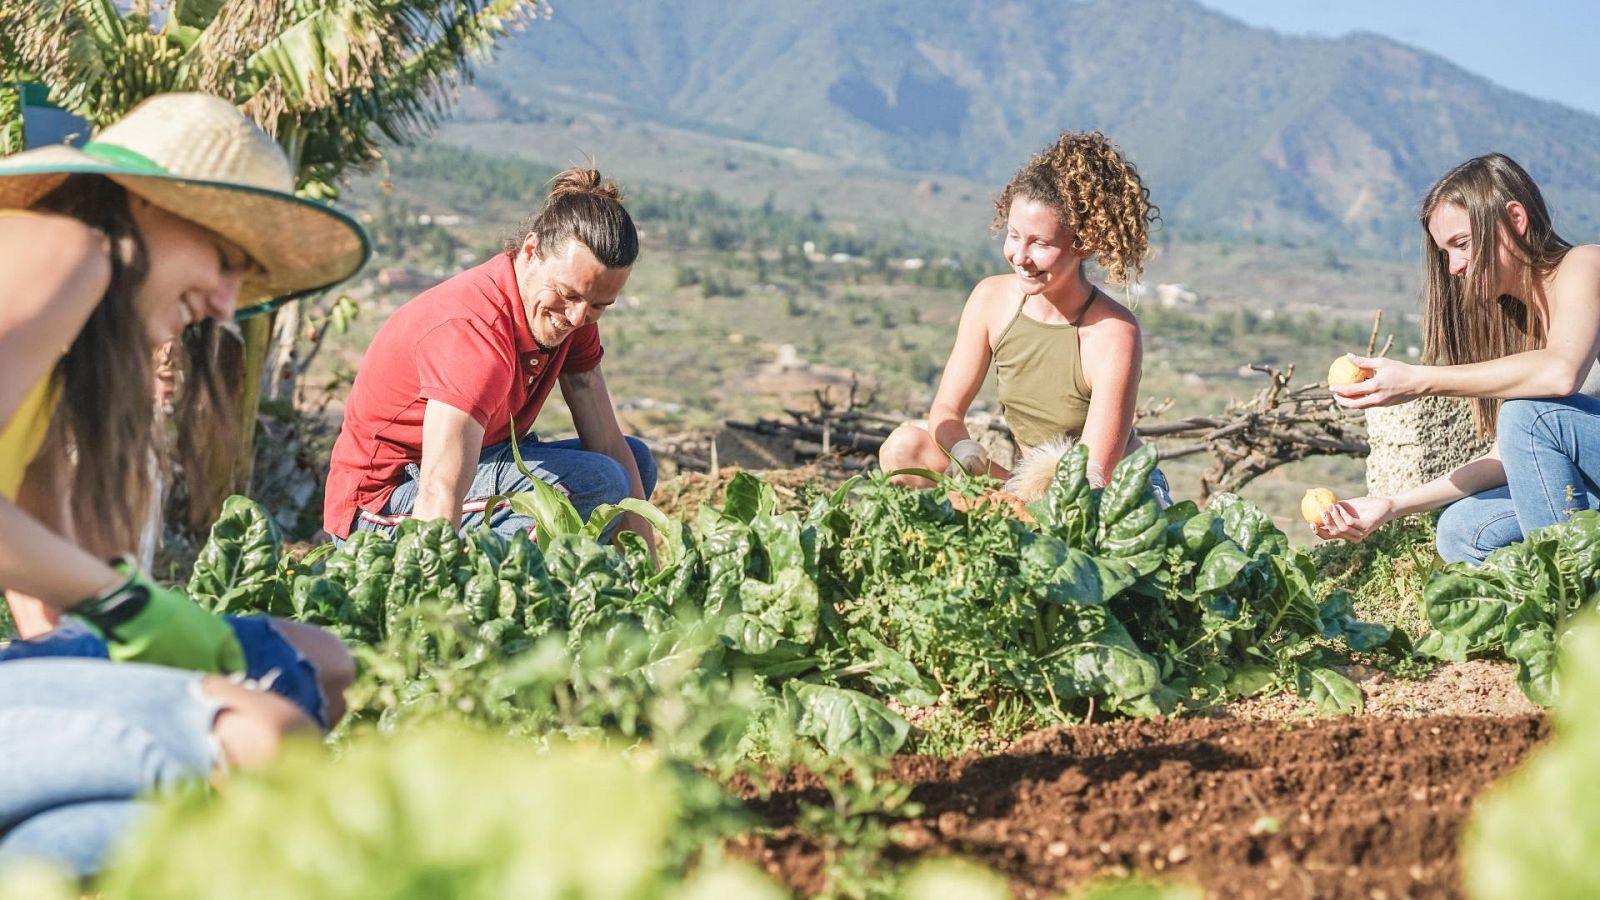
(588, 479)
(270, 660)
(81, 741)
(1551, 453)
(1161, 488)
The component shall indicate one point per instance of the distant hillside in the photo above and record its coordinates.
(1238, 130)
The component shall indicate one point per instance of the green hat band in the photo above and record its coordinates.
(123, 158)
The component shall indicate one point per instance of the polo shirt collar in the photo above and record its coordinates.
(505, 278)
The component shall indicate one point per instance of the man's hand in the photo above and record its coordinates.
(968, 455)
(144, 622)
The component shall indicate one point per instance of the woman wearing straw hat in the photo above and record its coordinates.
(176, 215)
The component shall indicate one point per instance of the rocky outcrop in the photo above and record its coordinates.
(1418, 441)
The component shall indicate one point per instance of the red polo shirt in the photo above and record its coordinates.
(464, 342)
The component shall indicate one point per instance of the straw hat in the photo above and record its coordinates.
(198, 157)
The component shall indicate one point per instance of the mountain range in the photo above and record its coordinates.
(1237, 130)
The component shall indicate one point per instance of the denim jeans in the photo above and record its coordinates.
(1161, 488)
(81, 741)
(1551, 453)
(588, 479)
(270, 660)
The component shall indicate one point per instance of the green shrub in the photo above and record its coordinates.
(425, 815)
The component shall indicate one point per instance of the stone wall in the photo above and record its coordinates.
(1418, 441)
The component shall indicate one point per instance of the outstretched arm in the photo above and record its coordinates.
(1556, 370)
(1354, 519)
(53, 272)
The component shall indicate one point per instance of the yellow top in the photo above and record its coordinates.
(21, 438)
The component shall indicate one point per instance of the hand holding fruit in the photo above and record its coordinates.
(1360, 382)
(1351, 520)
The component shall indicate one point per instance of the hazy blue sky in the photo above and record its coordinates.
(1547, 48)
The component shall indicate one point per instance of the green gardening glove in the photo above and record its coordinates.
(145, 622)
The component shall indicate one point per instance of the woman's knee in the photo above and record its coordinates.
(1517, 417)
(336, 667)
(251, 724)
(1453, 536)
(904, 447)
(1470, 529)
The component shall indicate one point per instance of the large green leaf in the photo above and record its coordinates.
(1105, 664)
(845, 722)
(1531, 641)
(1068, 504)
(1333, 693)
(748, 497)
(237, 569)
(1059, 573)
(1468, 608)
(785, 609)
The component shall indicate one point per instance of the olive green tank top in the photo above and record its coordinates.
(1043, 393)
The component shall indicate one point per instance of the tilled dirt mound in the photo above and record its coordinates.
(1361, 808)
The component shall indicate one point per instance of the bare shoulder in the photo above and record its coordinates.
(1580, 268)
(1110, 319)
(48, 234)
(991, 302)
(55, 249)
(994, 291)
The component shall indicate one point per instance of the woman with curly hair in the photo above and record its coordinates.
(1066, 355)
(1511, 319)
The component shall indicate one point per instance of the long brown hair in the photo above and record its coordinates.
(1098, 195)
(1466, 320)
(586, 206)
(106, 420)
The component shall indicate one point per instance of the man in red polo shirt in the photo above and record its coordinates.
(427, 427)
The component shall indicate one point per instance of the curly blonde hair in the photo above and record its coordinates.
(1099, 196)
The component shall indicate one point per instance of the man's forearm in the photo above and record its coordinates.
(436, 501)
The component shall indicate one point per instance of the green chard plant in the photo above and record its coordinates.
(1519, 602)
(749, 627)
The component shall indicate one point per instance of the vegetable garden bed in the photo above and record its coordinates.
(869, 637)
(1350, 807)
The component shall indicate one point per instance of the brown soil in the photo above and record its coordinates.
(1479, 687)
(1365, 807)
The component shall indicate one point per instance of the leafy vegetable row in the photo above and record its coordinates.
(873, 594)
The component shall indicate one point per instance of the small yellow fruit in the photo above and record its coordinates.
(1343, 371)
(1315, 503)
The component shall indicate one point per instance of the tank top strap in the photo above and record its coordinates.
(1017, 314)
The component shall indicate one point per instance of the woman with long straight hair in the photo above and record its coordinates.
(1511, 319)
(162, 226)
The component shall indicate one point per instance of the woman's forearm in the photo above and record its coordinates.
(40, 563)
(1463, 481)
(1536, 373)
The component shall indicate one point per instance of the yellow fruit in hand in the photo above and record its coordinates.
(1315, 503)
(1343, 371)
